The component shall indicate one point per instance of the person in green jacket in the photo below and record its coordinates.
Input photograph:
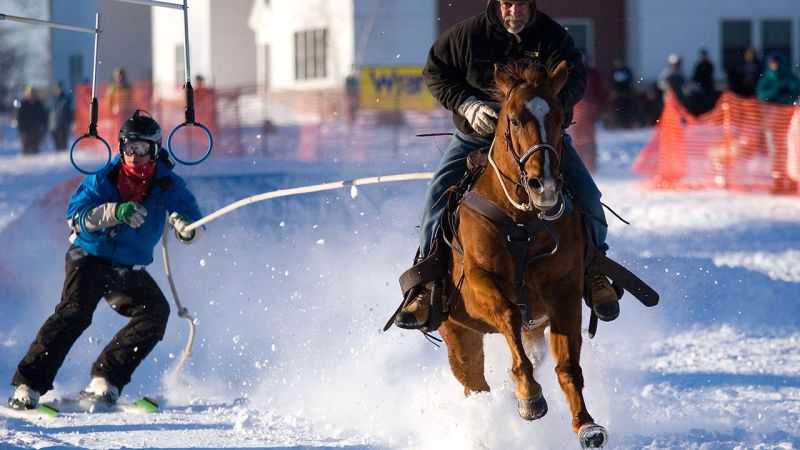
(778, 84)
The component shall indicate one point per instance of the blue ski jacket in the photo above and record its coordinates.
(122, 244)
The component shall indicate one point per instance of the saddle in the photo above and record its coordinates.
(432, 270)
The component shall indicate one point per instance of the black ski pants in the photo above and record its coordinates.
(130, 291)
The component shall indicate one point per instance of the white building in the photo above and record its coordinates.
(316, 44)
(222, 48)
(657, 28)
(51, 54)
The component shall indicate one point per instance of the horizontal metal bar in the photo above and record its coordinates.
(47, 23)
(154, 3)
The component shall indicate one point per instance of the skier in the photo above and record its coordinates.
(116, 217)
(459, 73)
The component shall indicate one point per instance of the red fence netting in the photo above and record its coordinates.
(741, 144)
(116, 105)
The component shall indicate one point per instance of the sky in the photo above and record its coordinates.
(290, 296)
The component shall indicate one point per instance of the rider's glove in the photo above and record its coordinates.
(481, 115)
(131, 213)
(180, 222)
(100, 217)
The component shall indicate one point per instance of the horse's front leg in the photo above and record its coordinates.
(465, 353)
(565, 345)
(499, 312)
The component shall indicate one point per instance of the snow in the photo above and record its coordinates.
(290, 296)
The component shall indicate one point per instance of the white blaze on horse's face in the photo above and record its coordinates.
(546, 196)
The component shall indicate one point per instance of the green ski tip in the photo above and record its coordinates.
(147, 404)
(48, 410)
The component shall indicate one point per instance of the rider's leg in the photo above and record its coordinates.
(451, 168)
(587, 193)
(604, 297)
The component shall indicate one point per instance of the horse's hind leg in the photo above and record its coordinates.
(535, 345)
(465, 352)
(565, 344)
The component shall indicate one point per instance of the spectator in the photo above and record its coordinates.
(702, 94)
(621, 77)
(31, 121)
(742, 79)
(60, 117)
(625, 110)
(778, 84)
(351, 88)
(672, 80)
(652, 104)
(120, 96)
(703, 76)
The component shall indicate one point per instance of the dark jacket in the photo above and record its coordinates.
(461, 62)
(60, 114)
(121, 243)
(31, 116)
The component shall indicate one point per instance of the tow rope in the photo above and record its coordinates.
(182, 311)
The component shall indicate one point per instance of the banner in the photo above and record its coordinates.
(394, 89)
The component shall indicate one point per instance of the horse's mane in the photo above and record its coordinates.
(528, 71)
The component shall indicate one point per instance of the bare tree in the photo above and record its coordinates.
(10, 79)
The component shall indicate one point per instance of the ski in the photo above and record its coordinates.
(144, 405)
(44, 410)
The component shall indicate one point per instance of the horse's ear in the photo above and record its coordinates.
(559, 76)
(501, 79)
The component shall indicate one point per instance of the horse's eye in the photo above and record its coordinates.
(515, 122)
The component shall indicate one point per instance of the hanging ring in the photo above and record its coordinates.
(72, 151)
(208, 150)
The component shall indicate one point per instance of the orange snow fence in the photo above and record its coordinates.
(116, 106)
(742, 144)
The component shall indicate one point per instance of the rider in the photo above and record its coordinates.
(459, 73)
(116, 216)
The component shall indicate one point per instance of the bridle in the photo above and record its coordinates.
(522, 180)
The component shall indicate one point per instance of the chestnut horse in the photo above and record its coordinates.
(519, 291)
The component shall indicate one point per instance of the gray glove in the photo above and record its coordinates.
(103, 216)
(481, 115)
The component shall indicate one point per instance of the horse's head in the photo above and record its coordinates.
(529, 131)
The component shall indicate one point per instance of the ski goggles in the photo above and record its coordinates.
(138, 148)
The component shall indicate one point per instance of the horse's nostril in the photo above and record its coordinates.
(535, 183)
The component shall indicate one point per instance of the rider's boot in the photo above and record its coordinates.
(605, 301)
(417, 309)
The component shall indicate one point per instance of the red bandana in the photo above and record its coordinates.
(133, 182)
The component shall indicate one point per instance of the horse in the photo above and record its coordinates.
(520, 264)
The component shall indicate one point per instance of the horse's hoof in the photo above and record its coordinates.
(591, 435)
(532, 408)
(607, 311)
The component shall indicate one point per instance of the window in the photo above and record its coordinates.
(310, 50)
(180, 63)
(737, 35)
(75, 68)
(582, 33)
(776, 36)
